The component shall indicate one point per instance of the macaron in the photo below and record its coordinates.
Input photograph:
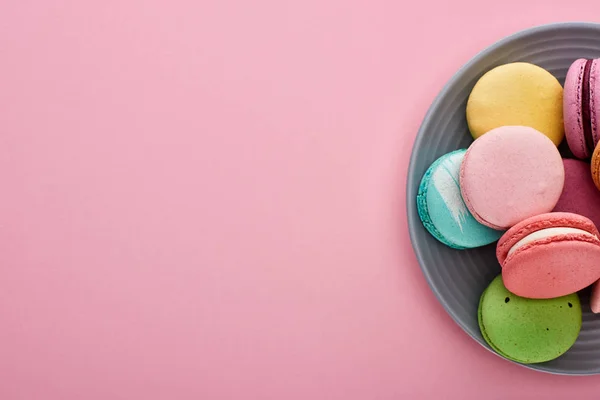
(595, 167)
(580, 107)
(442, 209)
(525, 330)
(595, 298)
(517, 94)
(550, 255)
(509, 174)
(579, 195)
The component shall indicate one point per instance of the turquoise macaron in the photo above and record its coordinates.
(442, 209)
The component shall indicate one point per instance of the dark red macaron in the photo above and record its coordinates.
(579, 195)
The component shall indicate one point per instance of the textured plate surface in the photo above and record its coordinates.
(459, 277)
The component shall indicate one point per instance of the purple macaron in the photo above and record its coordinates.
(581, 100)
(579, 195)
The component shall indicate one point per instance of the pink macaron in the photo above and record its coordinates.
(550, 255)
(509, 174)
(595, 298)
(580, 195)
(581, 99)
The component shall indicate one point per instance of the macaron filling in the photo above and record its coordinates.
(586, 112)
(548, 233)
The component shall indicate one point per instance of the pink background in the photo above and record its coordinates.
(205, 200)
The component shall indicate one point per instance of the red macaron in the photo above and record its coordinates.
(550, 255)
(579, 195)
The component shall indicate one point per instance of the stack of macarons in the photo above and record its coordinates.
(513, 187)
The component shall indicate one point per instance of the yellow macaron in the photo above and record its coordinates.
(517, 94)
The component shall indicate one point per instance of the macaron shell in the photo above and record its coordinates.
(595, 167)
(517, 94)
(553, 267)
(594, 99)
(580, 195)
(442, 209)
(528, 330)
(595, 298)
(509, 174)
(572, 110)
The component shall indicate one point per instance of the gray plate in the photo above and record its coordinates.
(459, 277)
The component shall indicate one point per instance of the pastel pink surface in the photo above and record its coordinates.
(509, 174)
(572, 110)
(550, 267)
(205, 200)
(580, 195)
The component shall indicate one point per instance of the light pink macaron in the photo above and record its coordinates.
(581, 99)
(509, 174)
(550, 255)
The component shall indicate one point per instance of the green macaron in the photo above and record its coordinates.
(525, 330)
